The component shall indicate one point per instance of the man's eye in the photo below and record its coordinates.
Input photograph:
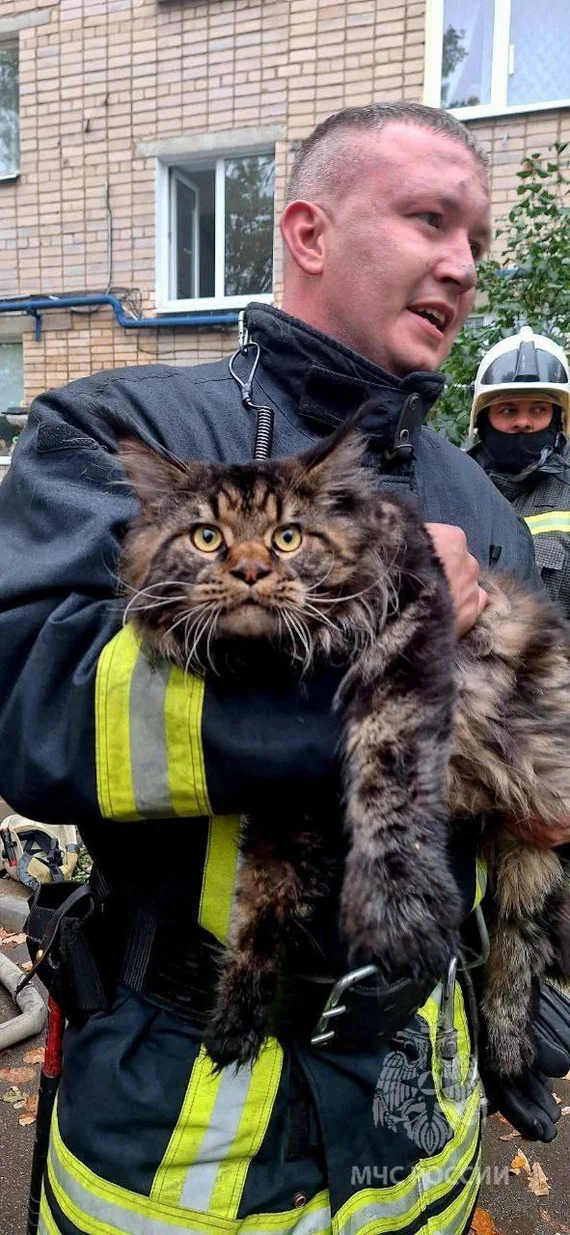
(432, 217)
(206, 537)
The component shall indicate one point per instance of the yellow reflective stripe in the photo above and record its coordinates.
(194, 1118)
(456, 1113)
(220, 874)
(150, 760)
(480, 881)
(550, 521)
(221, 1126)
(230, 1181)
(112, 724)
(46, 1224)
(99, 1207)
(183, 727)
(397, 1206)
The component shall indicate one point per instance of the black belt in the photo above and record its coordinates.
(346, 1012)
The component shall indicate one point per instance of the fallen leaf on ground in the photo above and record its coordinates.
(560, 1228)
(31, 1104)
(509, 1137)
(556, 1098)
(27, 965)
(25, 1120)
(17, 1076)
(12, 941)
(482, 1223)
(35, 1056)
(538, 1182)
(519, 1163)
(19, 1106)
(565, 1110)
(13, 1095)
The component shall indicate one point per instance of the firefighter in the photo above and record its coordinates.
(372, 1129)
(521, 419)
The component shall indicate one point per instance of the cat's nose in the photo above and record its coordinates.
(250, 570)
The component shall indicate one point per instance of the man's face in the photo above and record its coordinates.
(523, 414)
(399, 278)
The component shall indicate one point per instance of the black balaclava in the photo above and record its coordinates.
(514, 452)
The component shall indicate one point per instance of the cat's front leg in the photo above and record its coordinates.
(400, 905)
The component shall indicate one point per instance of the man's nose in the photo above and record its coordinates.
(521, 423)
(458, 264)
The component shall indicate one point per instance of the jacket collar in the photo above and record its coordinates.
(328, 381)
(553, 462)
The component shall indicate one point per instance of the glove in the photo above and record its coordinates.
(271, 742)
(527, 1101)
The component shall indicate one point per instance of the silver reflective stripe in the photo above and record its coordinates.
(149, 757)
(117, 1217)
(431, 1177)
(218, 1138)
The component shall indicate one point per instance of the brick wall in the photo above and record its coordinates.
(100, 77)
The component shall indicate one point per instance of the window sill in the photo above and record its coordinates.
(490, 112)
(210, 304)
(10, 177)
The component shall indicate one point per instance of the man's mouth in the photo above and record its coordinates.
(439, 316)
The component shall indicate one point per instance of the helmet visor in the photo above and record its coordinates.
(536, 366)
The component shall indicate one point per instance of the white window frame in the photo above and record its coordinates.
(499, 73)
(165, 253)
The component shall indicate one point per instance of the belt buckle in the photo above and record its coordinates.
(333, 1007)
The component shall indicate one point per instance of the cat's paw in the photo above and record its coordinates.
(231, 1040)
(508, 1054)
(405, 927)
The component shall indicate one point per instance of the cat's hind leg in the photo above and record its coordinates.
(528, 889)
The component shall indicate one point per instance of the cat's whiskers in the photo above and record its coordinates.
(298, 625)
(154, 604)
(202, 624)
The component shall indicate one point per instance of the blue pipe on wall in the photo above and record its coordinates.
(36, 305)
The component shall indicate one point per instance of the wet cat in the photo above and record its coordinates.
(304, 557)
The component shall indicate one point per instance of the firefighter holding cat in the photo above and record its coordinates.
(376, 1128)
(521, 419)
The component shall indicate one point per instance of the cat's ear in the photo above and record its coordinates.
(336, 462)
(152, 474)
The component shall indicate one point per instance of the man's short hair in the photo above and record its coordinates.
(328, 160)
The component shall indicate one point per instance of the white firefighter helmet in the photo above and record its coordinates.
(35, 853)
(526, 364)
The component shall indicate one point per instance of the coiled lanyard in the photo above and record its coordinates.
(265, 415)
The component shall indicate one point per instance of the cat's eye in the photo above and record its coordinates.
(287, 539)
(206, 538)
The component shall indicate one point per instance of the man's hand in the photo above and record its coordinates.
(462, 572)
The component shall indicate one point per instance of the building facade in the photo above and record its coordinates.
(145, 146)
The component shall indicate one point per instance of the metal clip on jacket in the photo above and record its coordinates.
(265, 415)
(333, 1007)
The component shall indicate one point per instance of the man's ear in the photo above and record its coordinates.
(303, 226)
(152, 475)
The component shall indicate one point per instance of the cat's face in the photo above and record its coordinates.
(273, 552)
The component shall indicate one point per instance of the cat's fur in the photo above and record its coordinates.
(432, 727)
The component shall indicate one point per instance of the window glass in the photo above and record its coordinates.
(249, 186)
(11, 391)
(539, 59)
(9, 114)
(467, 52)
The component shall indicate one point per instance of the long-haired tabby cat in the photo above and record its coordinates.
(305, 557)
